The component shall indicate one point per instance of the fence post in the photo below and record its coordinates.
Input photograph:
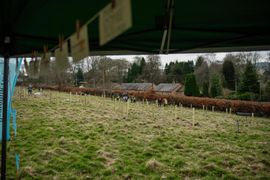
(213, 108)
(230, 111)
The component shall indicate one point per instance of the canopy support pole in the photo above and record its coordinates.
(4, 114)
(170, 26)
(163, 41)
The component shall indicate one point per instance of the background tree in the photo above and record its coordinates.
(249, 82)
(199, 62)
(79, 76)
(118, 70)
(252, 57)
(229, 74)
(152, 71)
(215, 68)
(133, 72)
(176, 71)
(216, 88)
(191, 87)
(205, 89)
(267, 91)
(202, 74)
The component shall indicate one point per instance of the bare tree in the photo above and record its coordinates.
(210, 57)
(152, 71)
(202, 74)
(249, 56)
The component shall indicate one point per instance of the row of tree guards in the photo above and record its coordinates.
(123, 107)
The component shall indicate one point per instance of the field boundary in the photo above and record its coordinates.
(258, 108)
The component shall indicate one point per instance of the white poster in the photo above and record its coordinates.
(61, 57)
(46, 58)
(79, 45)
(114, 20)
(45, 62)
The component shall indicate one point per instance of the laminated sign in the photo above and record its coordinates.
(45, 63)
(61, 56)
(114, 20)
(79, 44)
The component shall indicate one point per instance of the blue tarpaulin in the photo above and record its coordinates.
(14, 67)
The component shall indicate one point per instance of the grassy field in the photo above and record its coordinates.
(94, 138)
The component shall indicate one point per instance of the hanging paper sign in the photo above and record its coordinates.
(114, 20)
(31, 68)
(61, 57)
(45, 63)
(36, 67)
(26, 66)
(79, 44)
(46, 58)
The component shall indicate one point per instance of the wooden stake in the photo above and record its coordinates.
(238, 126)
(127, 108)
(252, 118)
(70, 97)
(213, 108)
(20, 93)
(50, 94)
(230, 111)
(124, 109)
(181, 108)
(114, 104)
(203, 108)
(175, 110)
(24, 94)
(226, 110)
(193, 116)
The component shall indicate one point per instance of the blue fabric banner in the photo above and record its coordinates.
(14, 68)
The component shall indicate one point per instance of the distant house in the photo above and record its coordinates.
(135, 87)
(170, 88)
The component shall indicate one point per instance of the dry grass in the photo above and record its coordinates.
(94, 138)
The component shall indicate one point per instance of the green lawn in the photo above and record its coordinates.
(91, 138)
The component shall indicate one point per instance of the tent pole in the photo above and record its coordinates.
(4, 118)
(170, 26)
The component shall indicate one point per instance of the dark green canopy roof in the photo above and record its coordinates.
(209, 25)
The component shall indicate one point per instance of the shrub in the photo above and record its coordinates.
(191, 87)
(216, 88)
(249, 82)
